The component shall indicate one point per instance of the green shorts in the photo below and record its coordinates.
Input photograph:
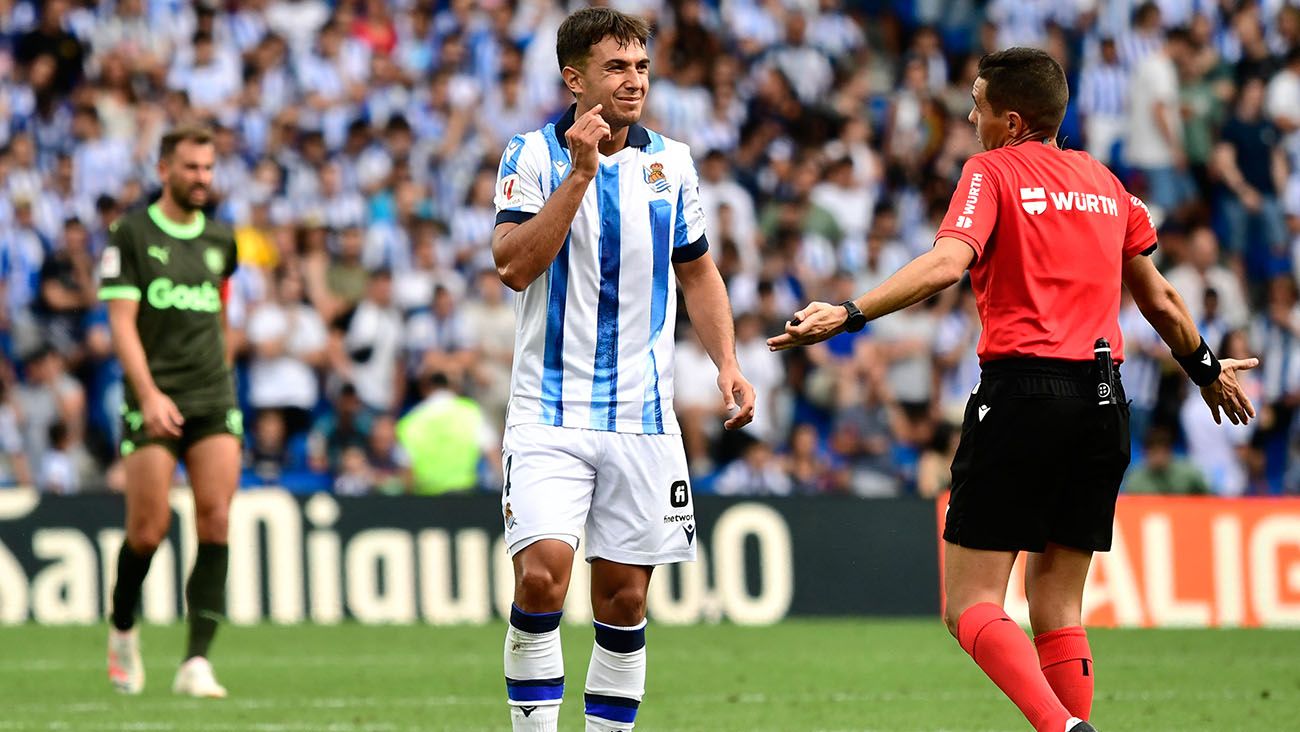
(197, 426)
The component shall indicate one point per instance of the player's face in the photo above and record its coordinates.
(991, 129)
(188, 174)
(618, 78)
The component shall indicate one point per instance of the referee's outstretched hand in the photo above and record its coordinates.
(813, 324)
(1227, 394)
(584, 139)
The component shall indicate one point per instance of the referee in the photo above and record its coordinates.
(1048, 235)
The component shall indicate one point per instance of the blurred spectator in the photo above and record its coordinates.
(268, 451)
(1203, 271)
(756, 473)
(59, 473)
(289, 345)
(934, 473)
(491, 320)
(365, 346)
(1251, 163)
(67, 291)
(48, 396)
(344, 426)
(807, 463)
(1161, 472)
(1154, 143)
(390, 465)
(14, 468)
(439, 340)
(445, 436)
(1103, 98)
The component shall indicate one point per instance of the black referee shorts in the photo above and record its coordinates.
(1039, 459)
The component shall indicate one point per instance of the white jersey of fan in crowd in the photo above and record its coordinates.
(594, 338)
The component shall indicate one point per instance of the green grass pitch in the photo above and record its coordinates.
(800, 676)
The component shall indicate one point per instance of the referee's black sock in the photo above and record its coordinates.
(131, 570)
(205, 593)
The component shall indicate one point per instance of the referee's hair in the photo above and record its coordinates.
(589, 26)
(185, 133)
(1028, 81)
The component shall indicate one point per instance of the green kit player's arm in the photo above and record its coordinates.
(120, 289)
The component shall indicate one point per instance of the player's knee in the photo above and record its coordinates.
(624, 606)
(212, 525)
(144, 537)
(539, 590)
(951, 616)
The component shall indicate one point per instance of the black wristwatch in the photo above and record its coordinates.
(857, 321)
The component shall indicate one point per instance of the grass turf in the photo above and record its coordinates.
(800, 676)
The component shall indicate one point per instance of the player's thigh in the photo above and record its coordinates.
(971, 577)
(549, 480)
(642, 513)
(149, 471)
(212, 463)
(1054, 580)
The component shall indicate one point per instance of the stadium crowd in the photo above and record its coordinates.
(358, 146)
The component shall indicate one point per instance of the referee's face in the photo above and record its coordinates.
(617, 77)
(991, 129)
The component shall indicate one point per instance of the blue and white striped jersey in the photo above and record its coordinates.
(594, 333)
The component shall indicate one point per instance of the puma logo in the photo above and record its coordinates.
(160, 253)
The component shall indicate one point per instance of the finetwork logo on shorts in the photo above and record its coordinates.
(1033, 200)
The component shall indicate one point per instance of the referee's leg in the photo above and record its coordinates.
(975, 585)
(1054, 583)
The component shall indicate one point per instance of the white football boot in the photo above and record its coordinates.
(125, 670)
(195, 678)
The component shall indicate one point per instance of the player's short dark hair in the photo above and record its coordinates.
(1028, 81)
(589, 26)
(185, 133)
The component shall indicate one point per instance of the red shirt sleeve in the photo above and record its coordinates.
(973, 211)
(1140, 237)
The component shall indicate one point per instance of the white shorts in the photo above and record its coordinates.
(630, 494)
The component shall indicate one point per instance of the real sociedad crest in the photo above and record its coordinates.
(655, 178)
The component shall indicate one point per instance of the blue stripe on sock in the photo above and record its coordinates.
(534, 622)
(613, 708)
(652, 415)
(526, 690)
(619, 640)
(604, 385)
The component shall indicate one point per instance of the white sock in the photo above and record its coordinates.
(616, 677)
(534, 671)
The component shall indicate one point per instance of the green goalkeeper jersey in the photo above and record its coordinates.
(176, 273)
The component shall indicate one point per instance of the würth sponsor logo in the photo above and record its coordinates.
(1033, 200)
(964, 222)
(972, 196)
(1086, 202)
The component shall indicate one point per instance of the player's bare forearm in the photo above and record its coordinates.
(127, 345)
(1161, 305)
(709, 308)
(523, 251)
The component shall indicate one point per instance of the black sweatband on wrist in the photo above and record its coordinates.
(1200, 365)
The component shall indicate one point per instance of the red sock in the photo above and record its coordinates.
(1067, 664)
(1005, 654)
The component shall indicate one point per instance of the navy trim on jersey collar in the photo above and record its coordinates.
(637, 136)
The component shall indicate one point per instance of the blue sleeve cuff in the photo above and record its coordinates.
(692, 251)
(512, 217)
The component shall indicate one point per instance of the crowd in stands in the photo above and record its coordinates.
(357, 154)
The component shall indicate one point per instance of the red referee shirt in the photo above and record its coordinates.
(1051, 229)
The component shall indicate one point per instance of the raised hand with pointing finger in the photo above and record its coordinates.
(584, 139)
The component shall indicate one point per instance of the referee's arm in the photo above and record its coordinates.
(1164, 308)
(932, 272)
